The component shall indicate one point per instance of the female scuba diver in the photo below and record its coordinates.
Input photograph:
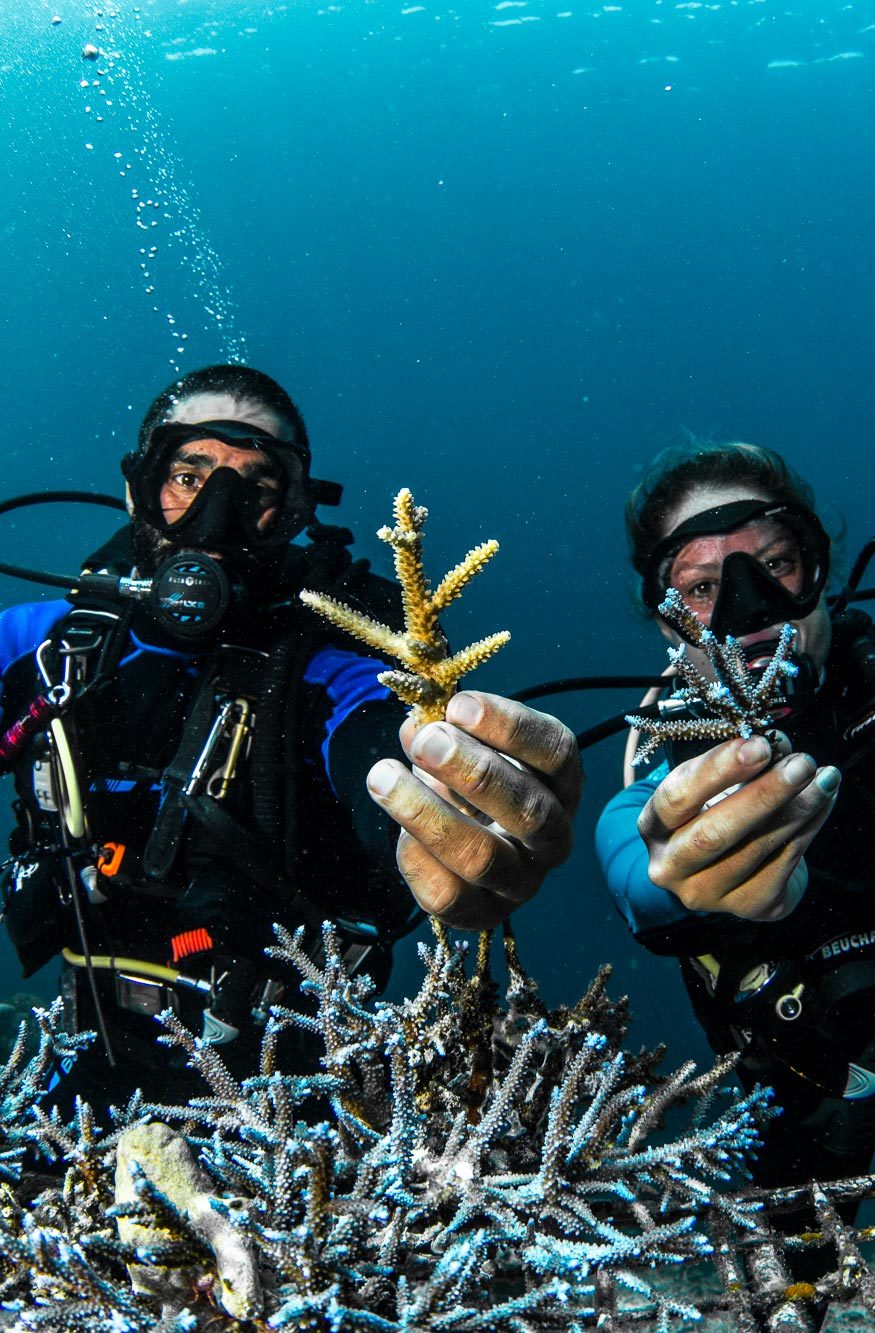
(765, 895)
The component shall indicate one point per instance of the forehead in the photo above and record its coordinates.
(212, 453)
(711, 547)
(225, 407)
(704, 496)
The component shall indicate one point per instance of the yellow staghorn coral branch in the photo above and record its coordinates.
(406, 542)
(426, 698)
(450, 669)
(451, 585)
(372, 632)
(432, 674)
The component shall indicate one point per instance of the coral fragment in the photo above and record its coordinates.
(431, 673)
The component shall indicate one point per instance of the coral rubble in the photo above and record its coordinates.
(737, 702)
(430, 673)
(472, 1163)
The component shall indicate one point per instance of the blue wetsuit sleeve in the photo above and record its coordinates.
(361, 728)
(350, 682)
(23, 628)
(624, 860)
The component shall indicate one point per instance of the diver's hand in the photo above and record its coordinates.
(744, 854)
(486, 811)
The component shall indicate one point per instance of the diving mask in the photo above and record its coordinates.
(779, 579)
(226, 512)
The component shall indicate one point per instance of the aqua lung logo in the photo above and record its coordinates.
(178, 602)
(863, 939)
(182, 598)
(62, 1069)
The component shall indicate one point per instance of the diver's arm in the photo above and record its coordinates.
(362, 724)
(24, 627)
(624, 860)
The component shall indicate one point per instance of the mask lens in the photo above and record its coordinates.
(696, 570)
(743, 566)
(170, 486)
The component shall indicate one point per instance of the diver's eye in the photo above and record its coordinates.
(781, 566)
(265, 496)
(702, 593)
(187, 481)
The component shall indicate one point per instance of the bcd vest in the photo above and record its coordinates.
(172, 822)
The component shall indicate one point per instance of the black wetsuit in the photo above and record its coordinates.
(196, 878)
(795, 997)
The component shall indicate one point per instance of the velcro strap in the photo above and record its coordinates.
(189, 942)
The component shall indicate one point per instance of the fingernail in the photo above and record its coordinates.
(466, 709)
(798, 768)
(433, 744)
(828, 780)
(755, 750)
(382, 779)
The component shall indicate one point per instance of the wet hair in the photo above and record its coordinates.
(676, 472)
(243, 383)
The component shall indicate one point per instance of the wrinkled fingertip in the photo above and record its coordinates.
(828, 780)
(754, 750)
(406, 732)
(466, 709)
(382, 778)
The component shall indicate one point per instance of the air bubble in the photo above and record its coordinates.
(124, 93)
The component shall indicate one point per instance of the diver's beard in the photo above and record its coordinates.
(261, 570)
(151, 547)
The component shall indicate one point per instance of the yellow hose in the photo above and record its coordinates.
(70, 797)
(136, 967)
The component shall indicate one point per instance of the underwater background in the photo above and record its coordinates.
(500, 252)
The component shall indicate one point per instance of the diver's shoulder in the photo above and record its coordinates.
(24, 626)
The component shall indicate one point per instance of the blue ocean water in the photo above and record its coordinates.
(498, 252)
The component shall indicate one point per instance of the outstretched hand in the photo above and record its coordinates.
(743, 854)
(487, 809)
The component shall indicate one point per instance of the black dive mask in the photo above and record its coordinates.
(749, 598)
(224, 515)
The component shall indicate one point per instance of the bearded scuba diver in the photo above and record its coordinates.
(189, 748)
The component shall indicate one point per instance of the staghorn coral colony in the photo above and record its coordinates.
(470, 1164)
